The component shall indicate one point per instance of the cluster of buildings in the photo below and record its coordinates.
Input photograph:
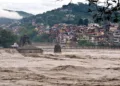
(107, 35)
(67, 34)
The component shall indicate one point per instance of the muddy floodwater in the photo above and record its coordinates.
(81, 67)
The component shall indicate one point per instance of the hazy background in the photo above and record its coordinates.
(30, 6)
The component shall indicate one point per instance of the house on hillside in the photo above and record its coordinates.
(116, 37)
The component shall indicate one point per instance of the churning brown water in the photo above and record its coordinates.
(86, 67)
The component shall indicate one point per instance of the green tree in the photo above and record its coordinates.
(108, 12)
(80, 22)
(86, 22)
(7, 38)
(85, 43)
(43, 38)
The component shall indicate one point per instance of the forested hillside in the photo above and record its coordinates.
(70, 14)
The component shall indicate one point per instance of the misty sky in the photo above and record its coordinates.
(31, 6)
(34, 6)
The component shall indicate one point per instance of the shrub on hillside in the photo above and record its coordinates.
(85, 43)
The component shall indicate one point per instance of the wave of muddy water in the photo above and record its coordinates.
(83, 67)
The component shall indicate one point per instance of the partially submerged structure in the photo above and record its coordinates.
(57, 48)
(26, 46)
(29, 49)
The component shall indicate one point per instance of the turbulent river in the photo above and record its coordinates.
(81, 67)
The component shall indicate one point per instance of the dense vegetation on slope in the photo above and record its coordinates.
(69, 14)
(24, 14)
(6, 21)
